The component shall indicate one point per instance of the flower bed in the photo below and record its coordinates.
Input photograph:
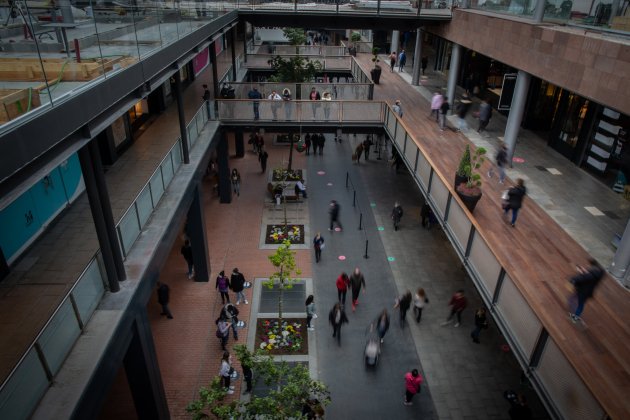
(288, 338)
(275, 234)
(280, 174)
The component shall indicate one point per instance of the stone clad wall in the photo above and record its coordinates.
(575, 59)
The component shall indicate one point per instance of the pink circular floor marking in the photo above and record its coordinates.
(342, 257)
(337, 229)
(329, 184)
(321, 173)
(518, 160)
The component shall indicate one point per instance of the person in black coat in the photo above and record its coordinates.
(515, 199)
(337, 317)
(334, 215)
(403, 303)
(585, 282)
(163, 293)
(186, 251)
(481, 322)
(230, 312)
(237, 283)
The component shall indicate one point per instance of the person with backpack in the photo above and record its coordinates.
(223, 284)
(237, 283)
(484, 115)
(223, 331)
(515, 197)
(226, 372)
(585, 283)
(413, 380)
(397, 214)
(337, 318)
(230, 312)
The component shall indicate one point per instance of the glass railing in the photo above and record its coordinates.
(34, 373)
(301, 111)
(338, 91)
(381, 7)
(50, 55)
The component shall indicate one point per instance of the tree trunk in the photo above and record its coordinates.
(281, 296)
(291, 152)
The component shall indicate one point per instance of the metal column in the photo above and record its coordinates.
(539, 11)
(215, 77)
(417, 60)
(239, 143)
(395, 42)
(233, 49)
(453, 71)
(225, 187)
(621, 260)
(196, 229)
(106, 207)
(99, 219)
(182, 118)
(515, 117)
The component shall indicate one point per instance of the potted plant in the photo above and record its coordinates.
(376, 71)
(470, 190)
(463, 170)
(354, 38)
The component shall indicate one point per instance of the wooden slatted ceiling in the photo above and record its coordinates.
(538, 255)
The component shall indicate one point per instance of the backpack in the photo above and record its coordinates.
(223, 283)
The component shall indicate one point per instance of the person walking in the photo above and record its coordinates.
(356, 281)
(226, 372)
(256, 97)
(223, 284)
(318, 245)
(337, 318)
(402, 60)
(206, 93)
(310, 312)
(585, 283)
(485, 113)
(501, 160)
(367, 144)
(307, 143)
(398, 108)
(358, 151)
(186, 251)
(321, 140)
(420, 299)
(236, 181)
(397, 214)
(413, 380)
(444, 108)
(462, 111)
(248, 373)
(163, 293)
(457, 303)
(515, 200)
(237, 282)
(403, 303)
(230, 313)
(314, 96)
(223, 331)
(333, 211)
(382, 324)
(436, 104)
(424, 63)
(326, 97)
(392, 61)
(342, 283)
(481, 322)
(262, 158)
(286, 97)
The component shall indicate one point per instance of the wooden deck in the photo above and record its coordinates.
(538, 255)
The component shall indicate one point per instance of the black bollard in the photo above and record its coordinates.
(366, 248)
(347, 177)
(354, 198)
(360, 221)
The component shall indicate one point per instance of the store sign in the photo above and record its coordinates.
(201, 61)
(507, 91)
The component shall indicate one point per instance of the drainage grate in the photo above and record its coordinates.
(540, 168)
(611, 214)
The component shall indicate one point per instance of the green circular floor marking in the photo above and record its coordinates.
(372, 204)
(380, 228)
(391, 259)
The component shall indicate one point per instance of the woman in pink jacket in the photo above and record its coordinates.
(412, 385)
(436, 104)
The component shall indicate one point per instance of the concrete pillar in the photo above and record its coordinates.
(99, 220)
(515, 117)
(621, 260)
(196, 230)
(233, 50)
(395, 42)
(182, 119)
(539, 11)
(225, 187)
(215, 76)
(106, 207)
(417, 58)
(66, 11)
(453, 71)
(143, 373)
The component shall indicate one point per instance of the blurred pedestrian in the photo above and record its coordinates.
(413, 380)
(236, 181)
(318, 244)
(436, 104)
(403, 303)
(237, 282)
(358, 151)
(230, 313)
(367, 144)
(333, 211)
(275, 103)
(307, 143)
(397, 214)
(457, 303)
(337, 318)
(481, 322)
(342, 283)
(326, 97)
(392, 61)
(443, 112)
(163, 293)
(356, 281)
(420, 299)
(398, 108)
(262, 158)
(424, 63)
(226, 372)
(485, 113)
(310, 312)
(186, 251)
(255, 96)
(314, 96)
(402, 60)
(382, 324)
(462, 111)
(501, 160)
(223, 331)
(585, 283)
(515, 200)
(223, 284)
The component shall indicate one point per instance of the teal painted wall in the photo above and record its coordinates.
(26, 217)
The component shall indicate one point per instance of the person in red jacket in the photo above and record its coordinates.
(342, 287)
(413, 380)
(457, 303)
